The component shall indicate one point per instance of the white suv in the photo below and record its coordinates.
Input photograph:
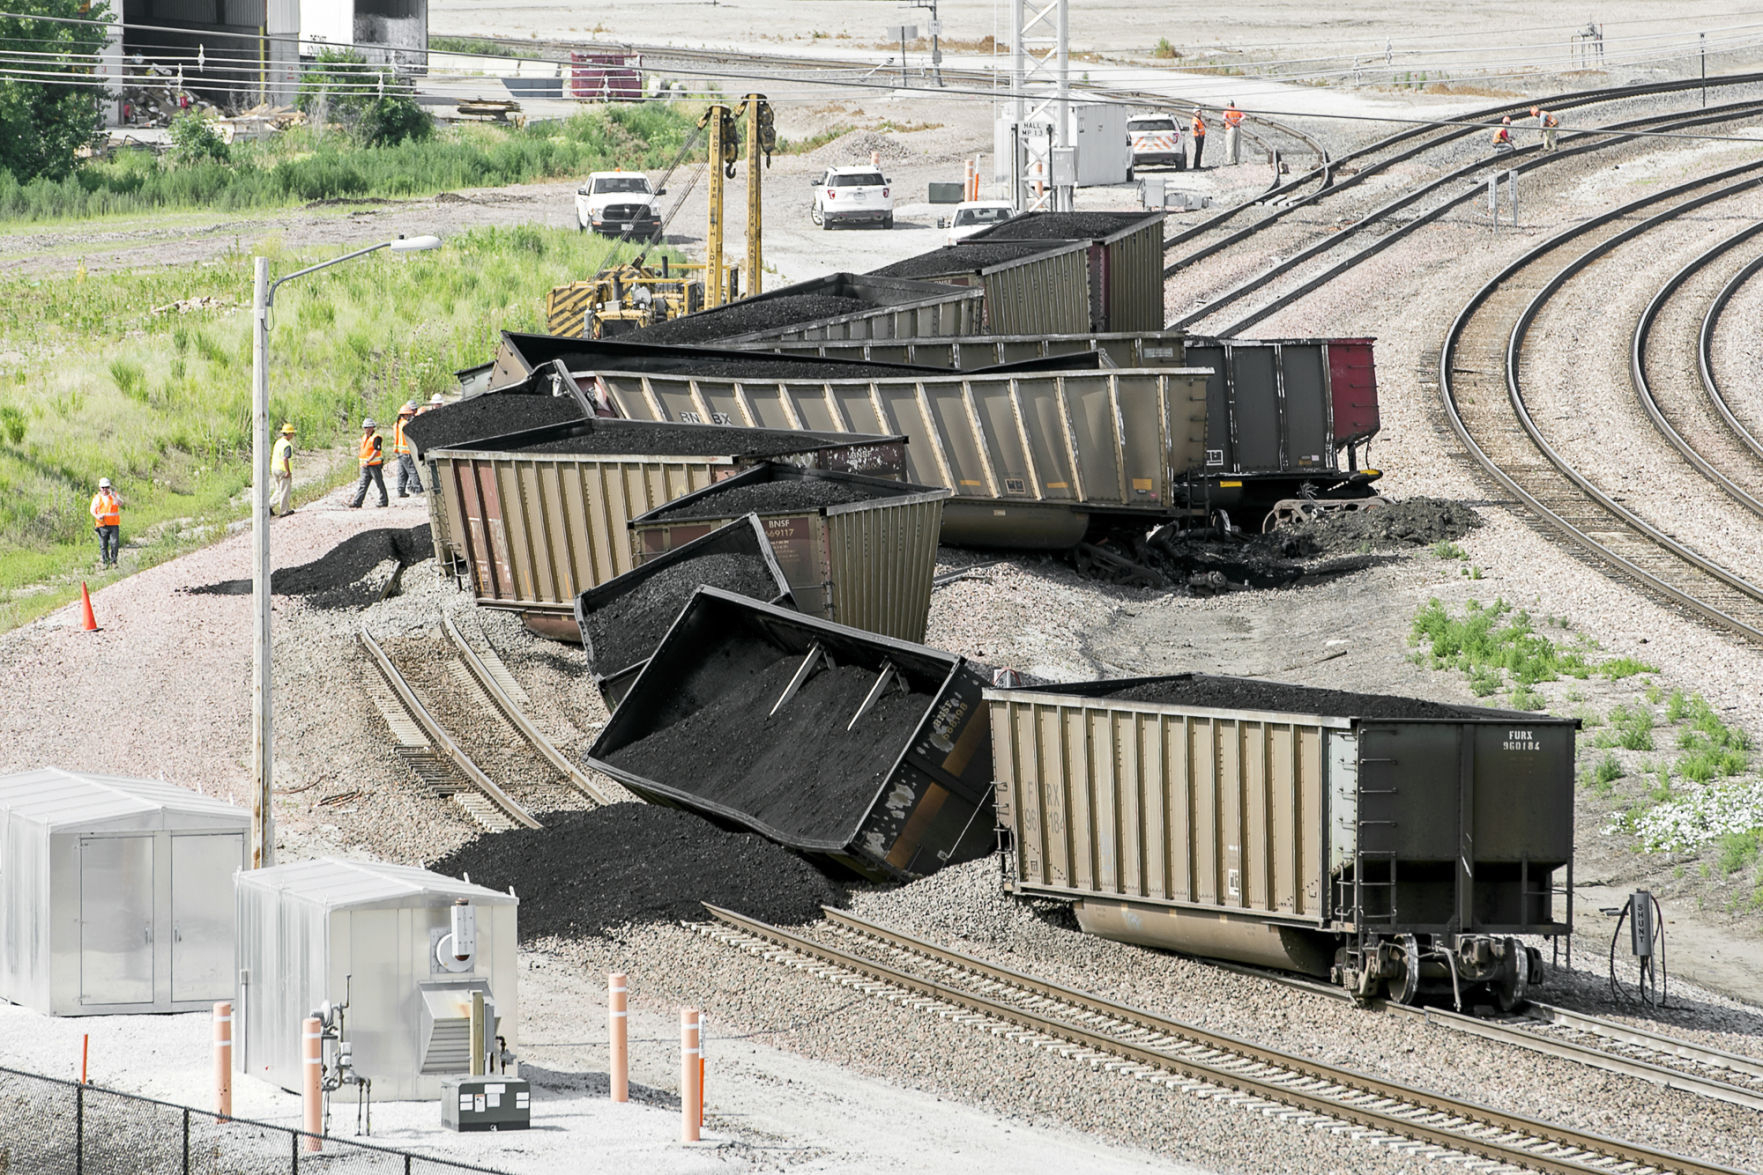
(1156, 139)
(971, 216)
(617, 203)
(852, 195)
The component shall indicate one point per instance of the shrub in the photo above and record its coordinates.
(194, 139)
(393, 119)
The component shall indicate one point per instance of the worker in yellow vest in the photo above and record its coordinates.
(107, 521)
(372, 456)
(281, 472)
(1233, 119)
(407, 474)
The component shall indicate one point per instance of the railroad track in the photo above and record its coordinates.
(1170, 1053)
(1355, 167)
(503, 692)
(1480, 384)
(1694, 367)
(432, 753)
(1450, 191)
(1705, 356)
(1665, 1061)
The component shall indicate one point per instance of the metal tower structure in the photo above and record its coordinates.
(1042, 171)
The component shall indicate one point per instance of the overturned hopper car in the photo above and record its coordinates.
(1394, 845)
(1034, 460)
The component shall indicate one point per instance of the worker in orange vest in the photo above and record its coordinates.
(1503, 136)
(1233, 118)
(407, 474)
(1199, 137)
(372, 456)
(1549, 123)
(107, 521)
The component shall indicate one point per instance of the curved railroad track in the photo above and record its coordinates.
(1705, 355)
(1163, 1051)
(493, 678)
(1480, 384)
(1453, 189)
(434, 755)
(1379, 156)
(1687, 359)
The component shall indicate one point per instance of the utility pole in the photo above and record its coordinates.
(262, 729)
(1704, 41)
(936, 47)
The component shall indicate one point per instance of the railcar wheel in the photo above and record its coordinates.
(1514, 985)
(1407, 988)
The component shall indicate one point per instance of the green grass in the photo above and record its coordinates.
(160, 403)
(1496, 644)
(481, 47)
(1736, 850)
(308, 164)
(1710, 748)
(1449, 550)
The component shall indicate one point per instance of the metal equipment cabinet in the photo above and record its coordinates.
(369, 933)
(114, 893)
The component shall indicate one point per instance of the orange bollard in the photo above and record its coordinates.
(310, 1097)
(618, 1016)
(223, 1060)
(85, 1051)
(703, 1052)
(88, 622)
(691, 1076)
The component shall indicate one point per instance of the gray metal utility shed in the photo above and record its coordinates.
(331, 929)
(115, 893)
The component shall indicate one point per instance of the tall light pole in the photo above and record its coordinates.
(262, 756)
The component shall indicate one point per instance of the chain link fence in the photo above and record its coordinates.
(54, 1127)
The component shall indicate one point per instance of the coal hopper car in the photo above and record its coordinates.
(1396, 846)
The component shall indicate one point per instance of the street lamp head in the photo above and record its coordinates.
(415, 244)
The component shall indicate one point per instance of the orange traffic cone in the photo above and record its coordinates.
(90, 623)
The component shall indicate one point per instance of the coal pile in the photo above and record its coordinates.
(771, 497)
(494, 414)
(1412, 522)
(585, 873)
(967, 257)
(601, 436)
(1202, 561)
(1237, 693)
(743, 317)
(759, 367)
(799, 771)
(350, 575)
(627, 629)
(1057, 226)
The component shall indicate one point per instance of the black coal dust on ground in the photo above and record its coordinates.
(586, 873)
(356, 572)
(628, 628)
(1204, 561)
(799, 771)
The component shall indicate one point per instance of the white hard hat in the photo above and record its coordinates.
(368, 423)
(436, 399)
(104, 483)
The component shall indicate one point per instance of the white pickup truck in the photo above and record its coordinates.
(852, 195)
(1156, 141)
(973, 215)
(619, 202)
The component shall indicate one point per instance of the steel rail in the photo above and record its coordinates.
(442, 739)
(1706, 349)
(1575, 534)
(1565, 101)
(1508, 1032)
(1401, 231)
(1311, 1086)
(1700, 1054)
(492, 688)
(1637, 369)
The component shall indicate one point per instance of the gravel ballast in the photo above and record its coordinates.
(799, 771)
(630, 864)
(627, 629)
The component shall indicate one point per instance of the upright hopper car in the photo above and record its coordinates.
(1397, 846)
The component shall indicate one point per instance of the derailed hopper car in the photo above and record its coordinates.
(853, 749)
(1389, 843)
(1034, 460)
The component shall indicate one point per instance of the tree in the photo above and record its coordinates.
(366, 100)
(390, 120)
(44, 121)
(193, 139)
